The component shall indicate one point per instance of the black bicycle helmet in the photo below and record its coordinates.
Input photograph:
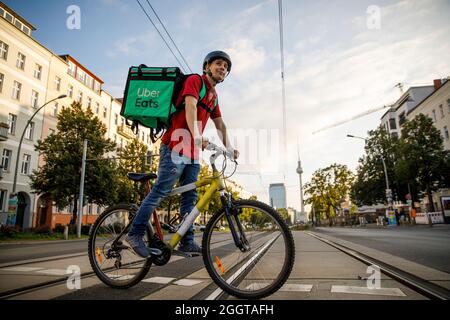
(210, 57)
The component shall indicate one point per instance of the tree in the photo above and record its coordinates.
(132, 159)
(328, 188)
(370, 184)
(62, 152)
(424, 162)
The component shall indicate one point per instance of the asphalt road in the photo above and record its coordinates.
(421, 244)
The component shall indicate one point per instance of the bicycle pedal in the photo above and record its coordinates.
(184, 254)
(154, 251)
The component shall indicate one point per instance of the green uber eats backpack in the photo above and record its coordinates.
(150, 97)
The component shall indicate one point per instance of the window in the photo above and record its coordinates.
(16, 90)
(392, 124)
(116, 119)
(105, 112)
(3, 50)
(2, 12)
(20, 63)
(18, 24)
(26, 159)
(401, 118)
(394, 135)
(2, 79)
(70, 91)
(80, 96)
(143, 136)
(37, 71)
(434, 115)
(26, 30)
(57, 83)
(72, 68)
(9, 17)
(54, 111)
(89, 103)
(6, 159)
(34, 98)
(448, 105)
(441, 110)
(97, 87)
(97, 108)
(446, 135)
(30, 131)
(3, 199)
(12, 120)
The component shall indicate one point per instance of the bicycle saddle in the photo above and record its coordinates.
(141, 177)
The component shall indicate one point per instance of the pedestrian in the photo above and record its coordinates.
(413, 215)
(179, 159)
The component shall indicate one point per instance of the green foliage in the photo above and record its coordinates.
(62, 152)
(327, 189)
(370, 184)
(423, 162)
(132, 159)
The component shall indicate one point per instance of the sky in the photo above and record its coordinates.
(341, 58)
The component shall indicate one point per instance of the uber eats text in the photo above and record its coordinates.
(147, 98)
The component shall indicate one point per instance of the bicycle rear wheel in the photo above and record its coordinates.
(117, 266)
(261, 270)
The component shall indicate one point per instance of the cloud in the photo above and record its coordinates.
(331, 81)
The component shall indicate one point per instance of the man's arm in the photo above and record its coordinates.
(222, 131)
(191, 116)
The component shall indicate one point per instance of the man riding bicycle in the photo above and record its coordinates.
(179, 156)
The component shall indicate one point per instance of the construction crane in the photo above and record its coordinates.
(365, 113)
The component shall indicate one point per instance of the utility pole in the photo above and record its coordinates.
(80, 207)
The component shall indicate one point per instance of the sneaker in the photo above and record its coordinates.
(137, 244)
(191, 247)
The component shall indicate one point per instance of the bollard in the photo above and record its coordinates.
(66, 233)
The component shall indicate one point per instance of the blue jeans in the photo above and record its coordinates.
(172, 167)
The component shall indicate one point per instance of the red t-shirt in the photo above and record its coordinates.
(178, 137)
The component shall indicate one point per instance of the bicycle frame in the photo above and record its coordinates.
(216, 184)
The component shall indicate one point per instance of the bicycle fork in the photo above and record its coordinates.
(231, 212)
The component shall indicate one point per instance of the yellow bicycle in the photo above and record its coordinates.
(248, 249)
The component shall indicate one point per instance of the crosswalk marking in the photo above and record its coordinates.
(54, 272)
(160, 280)
(288, 287)
(364, 290)
(187, 282)
(21, 269)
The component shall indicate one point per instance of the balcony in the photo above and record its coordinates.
(3, 131)
(125, 131)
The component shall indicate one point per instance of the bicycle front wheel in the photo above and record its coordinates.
(265, 266)
(116, 264)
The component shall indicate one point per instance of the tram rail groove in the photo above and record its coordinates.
(422, 286)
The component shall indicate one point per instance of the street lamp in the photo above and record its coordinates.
(388, 190)
(21, 140)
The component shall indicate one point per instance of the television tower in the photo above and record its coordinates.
(299, 172)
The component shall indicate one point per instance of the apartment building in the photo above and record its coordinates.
(436, 106)
(394, 118)
(24, 68)
(31, 75)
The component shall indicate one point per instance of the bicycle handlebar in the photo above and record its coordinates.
(219, 151)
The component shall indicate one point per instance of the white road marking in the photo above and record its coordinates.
(21, 269)
(288, 287)
(54, 272)
(160, 280)
(364, 290)
(119, 276)
(187, 282)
